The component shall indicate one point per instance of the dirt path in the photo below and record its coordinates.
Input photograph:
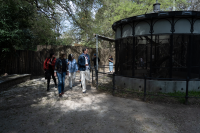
(27, 107)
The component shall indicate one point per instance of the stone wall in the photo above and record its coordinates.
(155, 85)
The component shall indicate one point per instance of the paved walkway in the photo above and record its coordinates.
(27, 107)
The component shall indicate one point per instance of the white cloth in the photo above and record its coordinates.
(85, 75)
(86, 62)
(72, 77)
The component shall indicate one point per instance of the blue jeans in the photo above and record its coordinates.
(110, 66)
(61, 81)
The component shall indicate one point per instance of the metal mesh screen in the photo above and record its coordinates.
(158, 57)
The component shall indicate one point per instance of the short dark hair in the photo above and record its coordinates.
(51, 54)
(70, 57)
(61, 55)
(84, 49)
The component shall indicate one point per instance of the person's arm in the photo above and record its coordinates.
(67, 67)
(76, 66)
(53, 63)
(44, 65)
(55, 69)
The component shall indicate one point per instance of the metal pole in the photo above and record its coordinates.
(171, 52)
(92, 76)
(97, 61)
(116, 58)
(133, 58)
(199, 61)
(113, 83)
(96, 52)
(151, 47)
(145, 80)
(171, 49)
(133, 53)
(186, 95)
(146, 54)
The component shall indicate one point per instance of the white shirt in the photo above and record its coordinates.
(86, 62)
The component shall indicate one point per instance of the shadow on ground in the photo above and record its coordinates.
(27, 107)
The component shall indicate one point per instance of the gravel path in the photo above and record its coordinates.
(27, 107)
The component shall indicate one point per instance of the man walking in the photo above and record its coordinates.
(49, 65)
(84, 67)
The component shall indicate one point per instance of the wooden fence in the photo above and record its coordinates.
(31, 62)
(24, 62)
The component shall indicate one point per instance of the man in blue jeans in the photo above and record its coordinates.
(84, 67)
(61, 68)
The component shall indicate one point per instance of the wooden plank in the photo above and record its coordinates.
(18, 64)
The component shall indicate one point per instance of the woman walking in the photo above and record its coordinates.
(110, 63)
(49, 65)
(61, 70)
(73, 68)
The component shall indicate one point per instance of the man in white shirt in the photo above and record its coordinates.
(84, 67)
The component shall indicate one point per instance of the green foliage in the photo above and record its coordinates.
(24, 24)
(14, 25)
(97, 16)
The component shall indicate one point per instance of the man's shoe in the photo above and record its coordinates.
(71, 88)
(60, 95)
(84, 91)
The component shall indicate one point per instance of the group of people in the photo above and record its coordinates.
(61, 67)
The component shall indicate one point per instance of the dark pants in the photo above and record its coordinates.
(49, 74)
(95, 68)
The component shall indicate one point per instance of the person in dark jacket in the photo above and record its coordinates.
(84, 67)
(49, 65)
(61, 67)
(94, 61)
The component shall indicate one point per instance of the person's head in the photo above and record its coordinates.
(52, 55)
(94, 55)
(70, 57)
(110, 56)
(85, 50)
(62, 55)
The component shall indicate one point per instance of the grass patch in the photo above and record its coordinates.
(182, 94)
